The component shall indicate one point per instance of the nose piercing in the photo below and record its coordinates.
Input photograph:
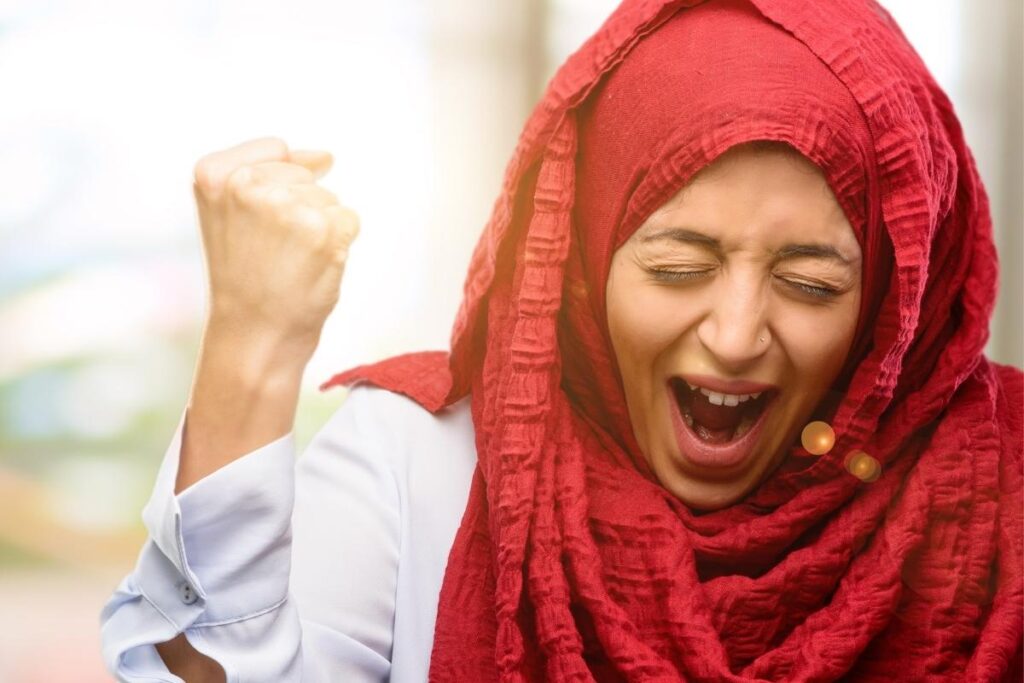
(761, 338)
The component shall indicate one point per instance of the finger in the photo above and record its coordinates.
(212, 171)
(318, 162)
(314, 195)
(259, 149)
(282, 173)
(345, 223)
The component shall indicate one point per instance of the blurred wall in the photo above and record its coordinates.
(988, 95)
(107, 105)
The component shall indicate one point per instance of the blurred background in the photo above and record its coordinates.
(107, 106)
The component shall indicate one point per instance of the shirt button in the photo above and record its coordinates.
(187, 593)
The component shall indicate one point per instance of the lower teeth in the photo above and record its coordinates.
(744, 426)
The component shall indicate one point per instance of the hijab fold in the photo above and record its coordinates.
(571, 561)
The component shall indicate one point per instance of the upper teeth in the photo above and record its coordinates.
(727, 399)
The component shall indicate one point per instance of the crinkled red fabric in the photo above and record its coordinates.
(571, 562)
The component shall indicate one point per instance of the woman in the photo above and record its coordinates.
(725, 224)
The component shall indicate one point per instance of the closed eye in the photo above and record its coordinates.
(662, 275)
(813, 290)
(676, 275)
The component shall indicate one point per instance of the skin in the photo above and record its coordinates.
(752, 202)
(275, 245)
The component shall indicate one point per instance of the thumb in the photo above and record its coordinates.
(317, 161)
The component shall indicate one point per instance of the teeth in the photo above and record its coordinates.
(744, 426)
(714, 397)
(718, 398)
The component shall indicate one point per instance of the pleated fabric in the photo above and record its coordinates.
(571, 562)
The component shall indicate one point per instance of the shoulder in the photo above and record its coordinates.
(398, 428)
(400, 414)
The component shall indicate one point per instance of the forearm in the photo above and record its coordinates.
(230, 537)
(244, 395)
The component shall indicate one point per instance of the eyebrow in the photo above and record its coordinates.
(812, 250)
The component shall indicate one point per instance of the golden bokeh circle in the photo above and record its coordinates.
(818, 437)
(863, 466)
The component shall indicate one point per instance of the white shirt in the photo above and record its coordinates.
(378, 496)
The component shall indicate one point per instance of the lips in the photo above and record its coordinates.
(716, 435)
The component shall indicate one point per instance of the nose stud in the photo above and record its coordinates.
(761, 338)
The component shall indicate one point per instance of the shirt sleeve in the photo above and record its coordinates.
(221, 566)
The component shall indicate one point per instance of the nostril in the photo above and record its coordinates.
(735, 346)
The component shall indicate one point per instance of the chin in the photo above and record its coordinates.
(704, 494)
(712, 487)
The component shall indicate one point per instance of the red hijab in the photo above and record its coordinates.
(572, 562)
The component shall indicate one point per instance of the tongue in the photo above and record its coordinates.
(717, 418)
(712, 435)
(711, 422)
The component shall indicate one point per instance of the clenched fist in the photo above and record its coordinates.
(275, 242)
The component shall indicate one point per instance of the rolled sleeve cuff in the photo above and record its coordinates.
(220, 551)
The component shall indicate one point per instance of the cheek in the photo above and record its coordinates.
(817, 341)
(644, 321)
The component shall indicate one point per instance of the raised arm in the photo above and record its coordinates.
(275, 245)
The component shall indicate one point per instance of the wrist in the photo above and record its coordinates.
(252, 356)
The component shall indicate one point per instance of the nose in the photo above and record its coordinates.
(735, 329)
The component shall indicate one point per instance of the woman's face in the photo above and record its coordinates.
(751, 274)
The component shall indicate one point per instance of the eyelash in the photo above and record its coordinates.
(820, 292)
(677, 276)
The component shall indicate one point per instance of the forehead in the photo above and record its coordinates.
(761, 191)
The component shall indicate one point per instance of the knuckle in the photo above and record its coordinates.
(275, 144)
(279, 196)
(310, 220)
(207, 175)
(239, 182)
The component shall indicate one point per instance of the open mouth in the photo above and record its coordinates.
(717, 430)
(717, 418)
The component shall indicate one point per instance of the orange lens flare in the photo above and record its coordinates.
(818, 437)
(863, 466)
